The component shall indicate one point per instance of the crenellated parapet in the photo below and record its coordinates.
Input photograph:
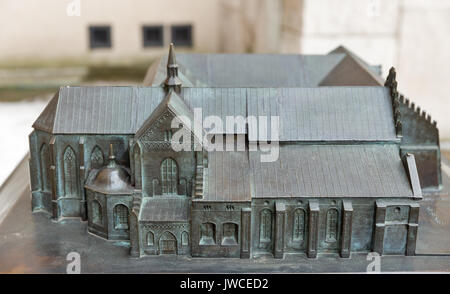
(419, 134)
(416, 109)
(398, 98)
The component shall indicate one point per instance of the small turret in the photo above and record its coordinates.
(391, 83)
(172, 81)
(111, 152)
(391, 78)
(111, 157)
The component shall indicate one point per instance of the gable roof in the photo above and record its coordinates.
(176, 105)
(331, 171)
(351, 71)
(99, 110)
(246, 70)
(306, 114)
(344, 50)
(46, 119)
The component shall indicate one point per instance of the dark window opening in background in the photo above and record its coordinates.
(100, 37)
(153, 36)
(182, 35)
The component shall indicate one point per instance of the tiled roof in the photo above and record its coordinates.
(165, 209)
(248, 70)
(221, 102)
(306, 114)
(331, 171)
(326, 113)
(227, 177)
(100, 110)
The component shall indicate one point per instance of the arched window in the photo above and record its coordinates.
(265, 229)
(96, 157)
(332, 225)
(137, 166)
(70, 173)
(298, 231)
(150, 239)
(169, 176)
(207, 234)
(184, 239)
(44, 162)
(97, 217)
(121, 217)
(230, 234)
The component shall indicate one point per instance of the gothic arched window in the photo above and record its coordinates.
(298, 231)
(44, 163)
(70, 173)
(332, 225)
(265, 229)
(97, 217)
(97, 157)
(207, 234)
(121, 217)
(150, 239)
(169, 176)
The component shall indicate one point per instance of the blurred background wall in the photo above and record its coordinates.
(48, 43)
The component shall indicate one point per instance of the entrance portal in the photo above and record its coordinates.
(167, 244)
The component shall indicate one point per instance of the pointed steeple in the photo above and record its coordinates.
(172, 81)
(171, 61)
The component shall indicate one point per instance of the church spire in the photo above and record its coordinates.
(172, 80)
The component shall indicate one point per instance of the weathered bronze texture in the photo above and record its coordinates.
(347, 178)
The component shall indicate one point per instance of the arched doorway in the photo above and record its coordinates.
(167, 244)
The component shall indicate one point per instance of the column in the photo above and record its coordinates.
(413, 225)
(346, 238)
(134, 234)
(245, 232)
(83, 202)
(53, 178)
(313, 228)
(378, 237)
(280, 213)
(130, 147)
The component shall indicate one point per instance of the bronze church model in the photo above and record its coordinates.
(353, 157)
